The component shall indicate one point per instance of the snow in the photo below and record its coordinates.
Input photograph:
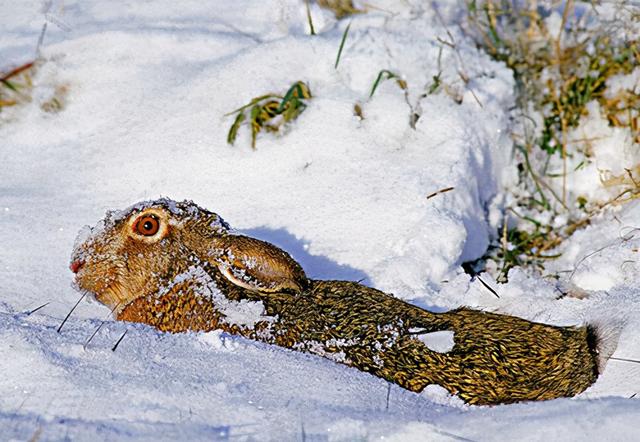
(440, 341)
(148, 87)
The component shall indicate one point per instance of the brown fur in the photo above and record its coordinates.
(496, 358)
(272, 269)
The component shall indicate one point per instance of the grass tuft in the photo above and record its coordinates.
(16, 85)
(563, 59)
(270, 112)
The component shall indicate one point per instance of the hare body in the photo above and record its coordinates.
(173, 284)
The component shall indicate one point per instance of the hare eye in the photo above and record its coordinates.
(147, 225)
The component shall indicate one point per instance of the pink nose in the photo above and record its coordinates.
(75, 265)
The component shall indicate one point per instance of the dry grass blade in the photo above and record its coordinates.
(341, 8)
(438, 192)
(35, 437)
(15, 85)
(624, 360)
(14, 72)
(256, 123)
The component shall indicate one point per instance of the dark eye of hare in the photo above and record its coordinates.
(147, 225)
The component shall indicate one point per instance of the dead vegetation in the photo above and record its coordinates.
(16, 85)
(341, 8)
(563, 58)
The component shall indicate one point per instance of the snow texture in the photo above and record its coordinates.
(149, 86)
(440, 341)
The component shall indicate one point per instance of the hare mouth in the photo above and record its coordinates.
(113, 296)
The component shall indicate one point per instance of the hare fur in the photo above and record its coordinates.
(184, 269)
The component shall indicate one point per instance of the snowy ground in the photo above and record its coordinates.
(149, 84)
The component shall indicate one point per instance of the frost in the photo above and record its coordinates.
(322, 349)
(250, 262)
(243, 313)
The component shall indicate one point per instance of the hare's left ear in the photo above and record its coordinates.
(257, 265)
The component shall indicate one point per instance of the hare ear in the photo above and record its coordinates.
(257, 265)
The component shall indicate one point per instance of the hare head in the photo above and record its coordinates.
(131, 253)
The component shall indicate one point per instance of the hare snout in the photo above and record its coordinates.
(76, 265)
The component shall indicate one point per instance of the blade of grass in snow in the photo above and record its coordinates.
(312, 31)
(344, 38)
(379, 79)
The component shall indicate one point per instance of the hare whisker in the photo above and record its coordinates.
(487, 286)
(71, 311)
(624, 360)
(388, 395)
(38, 308)
(119, 340)
(84, 347)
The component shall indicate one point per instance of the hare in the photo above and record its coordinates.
(178, 267)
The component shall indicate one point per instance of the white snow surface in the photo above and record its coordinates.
(149, 86)
(440, 341)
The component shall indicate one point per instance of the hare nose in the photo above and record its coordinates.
(75, 266)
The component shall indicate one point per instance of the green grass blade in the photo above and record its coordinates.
(9, 85)
(233, 132)
(289, 96)
(311, 29)
(344, 38)
(379, 79)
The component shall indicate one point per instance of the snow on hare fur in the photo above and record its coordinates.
(179, 267)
